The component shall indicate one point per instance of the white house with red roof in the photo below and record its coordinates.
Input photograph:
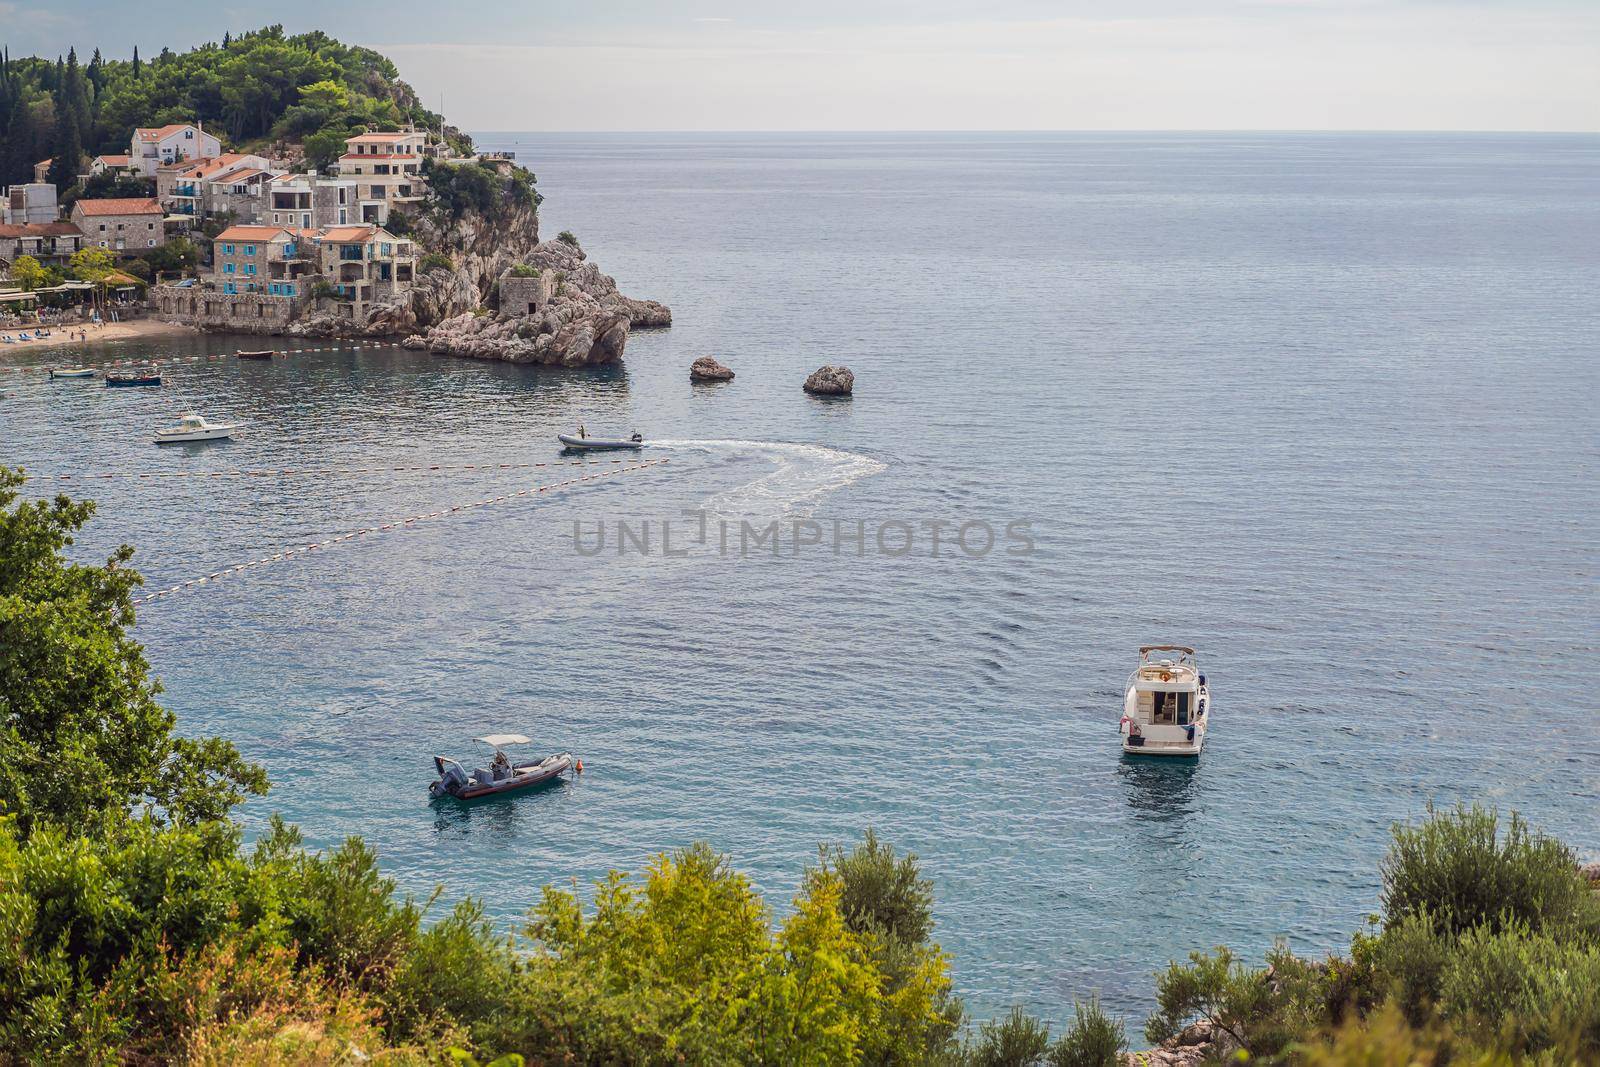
(113, 164)
(151, 147)
(121, 223)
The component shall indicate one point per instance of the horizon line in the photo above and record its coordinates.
(1129, 130)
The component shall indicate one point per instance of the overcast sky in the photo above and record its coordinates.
(938, 64)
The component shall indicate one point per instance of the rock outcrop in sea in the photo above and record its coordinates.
(830, 381)
(565, 311)
(707, 369)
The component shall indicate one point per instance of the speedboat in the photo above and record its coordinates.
(124, 378)
(502, 775)
(585, 443)
(1167, 705)
(71, 372)
(195, 428)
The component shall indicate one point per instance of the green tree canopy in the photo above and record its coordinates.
(82, 738)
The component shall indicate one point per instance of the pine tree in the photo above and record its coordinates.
(68, 150)
(227, 39)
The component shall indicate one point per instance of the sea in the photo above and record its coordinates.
(1322, 406)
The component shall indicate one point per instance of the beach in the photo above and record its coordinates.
(93, 334)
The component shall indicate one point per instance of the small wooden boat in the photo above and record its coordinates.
(192, 428)
(71, 372)
(503, 775)
(598, 444)
(265, 353)
(122, 379)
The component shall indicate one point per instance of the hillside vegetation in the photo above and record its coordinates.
(137, 926)
(248, 89)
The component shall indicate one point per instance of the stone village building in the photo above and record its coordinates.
(121, 224)
(265, 277)
(230, 182)
(51, 243)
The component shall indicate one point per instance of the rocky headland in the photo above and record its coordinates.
(504, 294)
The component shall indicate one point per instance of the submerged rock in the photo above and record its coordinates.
(830, 381)
(707, 369)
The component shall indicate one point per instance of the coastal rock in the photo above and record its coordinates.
(707, 369)
(1198, 1043)
(577, 317)
(574, 318)
(1591, 871)
(830, 381)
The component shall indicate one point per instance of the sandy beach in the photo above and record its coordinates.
(92, 334)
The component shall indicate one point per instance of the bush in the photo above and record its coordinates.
(435, 261)
(1093, 1040)
(524, 270)
(1523, 992)
(566, 238)
(1016, 1039)
(1458, 868)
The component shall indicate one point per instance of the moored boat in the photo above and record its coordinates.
(1166, 708)
(265, 353)
(122, 379)
(195, 428)
(584, 443)
(502, 775)
(71, 372)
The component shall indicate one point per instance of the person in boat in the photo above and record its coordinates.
(637, 437)
(500, 766)
(581, 431)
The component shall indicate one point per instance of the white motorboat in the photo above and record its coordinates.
(195, 428)
(1167, 706)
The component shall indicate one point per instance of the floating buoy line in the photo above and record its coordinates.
(166, 361)
(271, 472)
(315, 546)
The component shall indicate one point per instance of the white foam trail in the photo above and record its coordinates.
(804, 475)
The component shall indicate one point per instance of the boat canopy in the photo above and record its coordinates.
(499, 740)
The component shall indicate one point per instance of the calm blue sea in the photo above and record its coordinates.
(1322, 406)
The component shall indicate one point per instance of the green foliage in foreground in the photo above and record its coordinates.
(1488, 947)
(137, 927)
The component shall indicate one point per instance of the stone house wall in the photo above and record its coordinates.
(526, 296)
(214, 310)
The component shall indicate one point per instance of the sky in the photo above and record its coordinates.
(934, 65)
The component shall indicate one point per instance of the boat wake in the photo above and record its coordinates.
(803, 476)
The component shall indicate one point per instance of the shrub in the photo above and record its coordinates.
(435, 261)
(1523, 992)
(1015, 1039)
(1093, 1040)
(524, 270)
(1458, 868)
(566, 237)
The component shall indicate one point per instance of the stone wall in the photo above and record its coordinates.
(526, 296)
(211, 309)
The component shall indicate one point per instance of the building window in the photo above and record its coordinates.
(227, 250)
(227, 268)
(249, 250)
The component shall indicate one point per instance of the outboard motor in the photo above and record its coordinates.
(452, 779)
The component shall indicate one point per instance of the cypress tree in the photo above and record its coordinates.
(136, 65)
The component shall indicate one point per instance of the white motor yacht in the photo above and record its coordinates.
(195, 428)
(1167, 706)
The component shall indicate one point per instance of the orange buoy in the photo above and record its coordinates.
(579, 767)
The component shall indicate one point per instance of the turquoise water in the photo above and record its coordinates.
(1322, 406)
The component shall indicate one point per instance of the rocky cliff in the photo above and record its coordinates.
(581, 319)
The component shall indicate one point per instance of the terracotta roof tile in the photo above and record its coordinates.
(130, 205)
